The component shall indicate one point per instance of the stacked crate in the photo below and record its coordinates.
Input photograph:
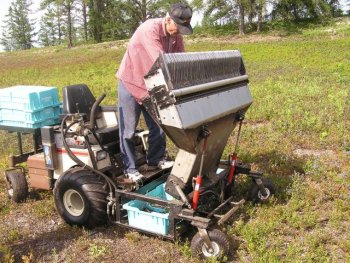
(29, 106)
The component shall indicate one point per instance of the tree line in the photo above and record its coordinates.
(92, 21)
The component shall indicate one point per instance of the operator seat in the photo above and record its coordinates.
(79, 99)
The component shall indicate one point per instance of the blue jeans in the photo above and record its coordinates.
(129, 112)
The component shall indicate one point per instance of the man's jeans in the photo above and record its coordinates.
(129, 112)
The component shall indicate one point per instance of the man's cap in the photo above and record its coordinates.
(182, 14)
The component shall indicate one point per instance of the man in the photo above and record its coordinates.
(150, 39)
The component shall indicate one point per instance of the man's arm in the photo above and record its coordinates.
(152, 44)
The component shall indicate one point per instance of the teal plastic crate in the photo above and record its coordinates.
(29, 106)
(143, 215)
(28, 98)
(33, 125)
(30, 117)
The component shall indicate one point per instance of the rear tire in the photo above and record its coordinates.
(16, 185)
(219, 241)
(81, 198)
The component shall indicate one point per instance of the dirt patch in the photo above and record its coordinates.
(313, 153)
(324, 158)
(257, 124)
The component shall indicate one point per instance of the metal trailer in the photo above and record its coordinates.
(16, 183)
(198, 99)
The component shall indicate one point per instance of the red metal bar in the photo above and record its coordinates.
(232, 168)
(196, 192)
(233, 158)
(198, 179)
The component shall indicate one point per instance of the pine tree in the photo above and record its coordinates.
(6, 40)
(117, 22)
(66, 8)
(18, 30)
(48, 33)
(140, 10)
(95, 23)
(218, 12)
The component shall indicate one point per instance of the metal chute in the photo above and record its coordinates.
(192, 92)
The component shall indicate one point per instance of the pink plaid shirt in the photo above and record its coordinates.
(149, 40)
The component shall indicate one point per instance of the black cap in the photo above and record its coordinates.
(182, 14)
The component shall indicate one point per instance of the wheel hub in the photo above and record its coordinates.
(73, 202)
(211, 252)
(9, 188)
(262, 197)
(10, 192)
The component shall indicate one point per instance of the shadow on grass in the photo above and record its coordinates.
(36, 195)
(44, 247)
(278, 167)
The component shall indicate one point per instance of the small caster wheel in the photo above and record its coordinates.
(219, 242)
(16, 185)
(255, 194)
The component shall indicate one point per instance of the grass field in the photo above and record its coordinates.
(297, 132)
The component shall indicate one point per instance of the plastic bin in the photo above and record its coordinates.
(28, 98)
(33, 125)
(31, 117)
(29, 106)
(144, 216)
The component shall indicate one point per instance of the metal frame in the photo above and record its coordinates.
(22, 157)
(177, 212)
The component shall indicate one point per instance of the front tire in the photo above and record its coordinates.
(16, 185)
(80, 198)
(219, 241)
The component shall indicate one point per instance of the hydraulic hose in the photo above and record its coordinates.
(93, 111)
(110, 183)
(77, 160)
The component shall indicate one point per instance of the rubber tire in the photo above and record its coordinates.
(92, 190)
(16, 181)
(255, 191)
(216, 236)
